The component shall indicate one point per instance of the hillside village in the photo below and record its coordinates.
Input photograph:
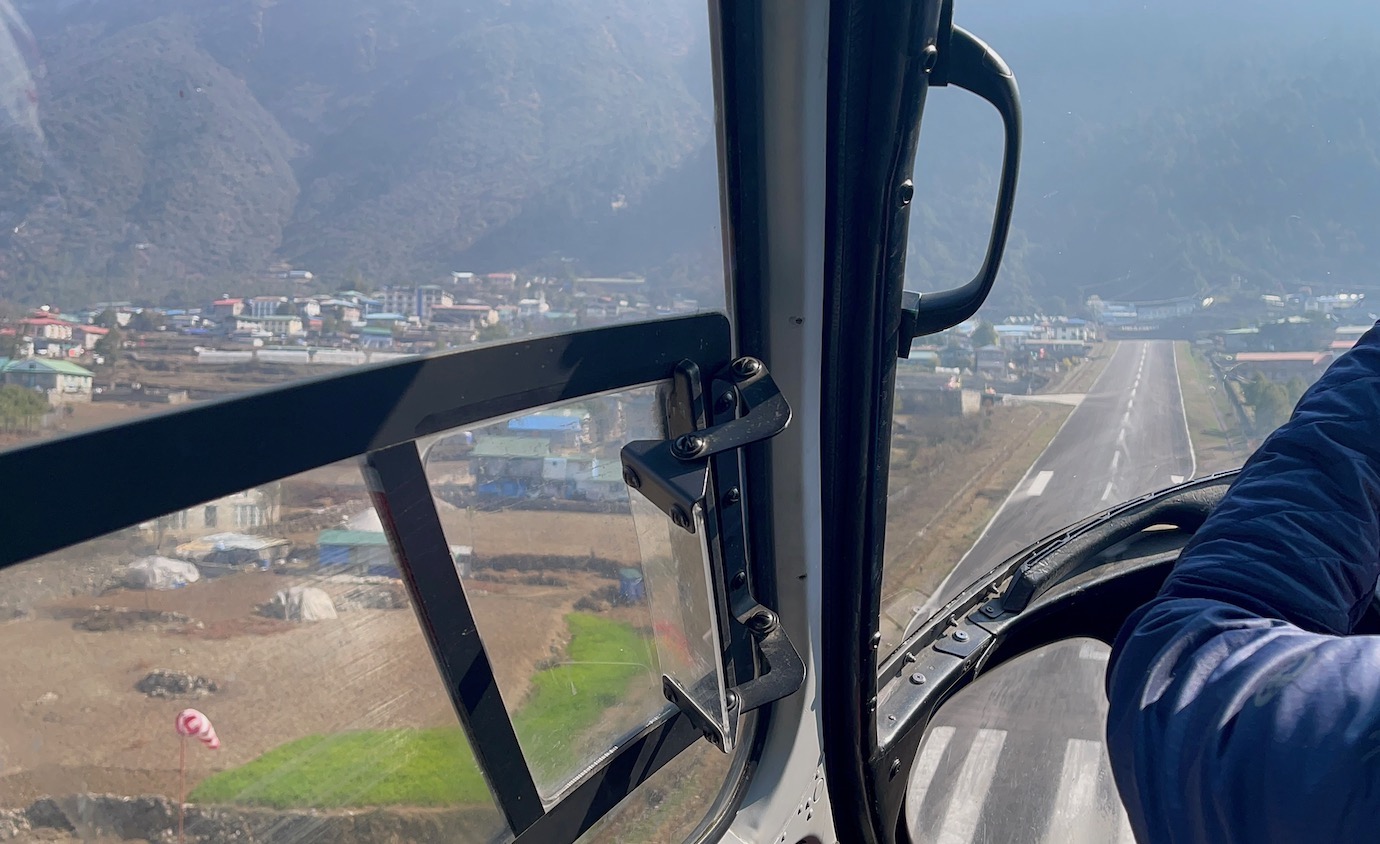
(110, 350)
(1263, 349)
(126, 352)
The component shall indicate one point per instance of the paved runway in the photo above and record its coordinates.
(1019, 756)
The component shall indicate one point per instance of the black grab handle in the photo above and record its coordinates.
(976, 67)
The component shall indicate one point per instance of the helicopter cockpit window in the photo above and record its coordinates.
(209, 202)
(267, 635)
(1033, 414)
(1137, 339)
(206, 202)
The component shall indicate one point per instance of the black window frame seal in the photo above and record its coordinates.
(879, 55)
(271, 434)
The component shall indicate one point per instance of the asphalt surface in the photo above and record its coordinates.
(1019, 756)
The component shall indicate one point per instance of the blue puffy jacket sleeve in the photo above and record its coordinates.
(1240, 708)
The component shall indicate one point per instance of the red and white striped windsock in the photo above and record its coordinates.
(193, 724)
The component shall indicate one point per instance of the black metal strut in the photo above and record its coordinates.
(675, 475)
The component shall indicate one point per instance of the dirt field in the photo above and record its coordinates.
(71, 719)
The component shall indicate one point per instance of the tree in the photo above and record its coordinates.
(20, 407)
(9, 330)
(329, 324)
(1254, 389)
(1295, 389)
(1270, 401)
(148, 320)
(284, 309)
(107, 319)
(497, 331)
(354, 279)
(1271, 408)
(984, 335)
(110, 345)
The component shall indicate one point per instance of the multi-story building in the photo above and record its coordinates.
(415, 301)
(262, 306)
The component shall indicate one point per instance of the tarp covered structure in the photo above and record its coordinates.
(235, 549)
(303, 603)
(160, 573)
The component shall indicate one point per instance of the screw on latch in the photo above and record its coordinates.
(895, 767)
(960, 636)
(679, 517)
(746, 367)
(929, 57)
(726, 401)
(991, 610)
(731, 699)
(906, 192)
(732, 497)
(739, 580)
(630, 478)
(917, 678)
(762, 621)
(687, 445)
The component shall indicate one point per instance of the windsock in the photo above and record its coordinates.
(193, 724)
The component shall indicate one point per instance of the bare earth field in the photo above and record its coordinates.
(71, 719)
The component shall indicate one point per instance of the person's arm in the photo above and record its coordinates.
(1240, 710)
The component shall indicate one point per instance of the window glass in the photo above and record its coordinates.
(294, 638)
(205, 198)
(1172, 282)
(549, 553)
(1185, 259)
(676, 566)
(1020, 756)
(670, 805)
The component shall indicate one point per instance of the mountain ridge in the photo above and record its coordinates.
(186, 148)
(376, 138)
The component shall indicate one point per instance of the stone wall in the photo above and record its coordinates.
(85, 817)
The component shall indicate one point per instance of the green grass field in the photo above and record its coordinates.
(365, 768)
(434, 767)
(1215, 447)
(565, 701)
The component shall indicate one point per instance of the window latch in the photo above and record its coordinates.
(692, 477)
(673, 474)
